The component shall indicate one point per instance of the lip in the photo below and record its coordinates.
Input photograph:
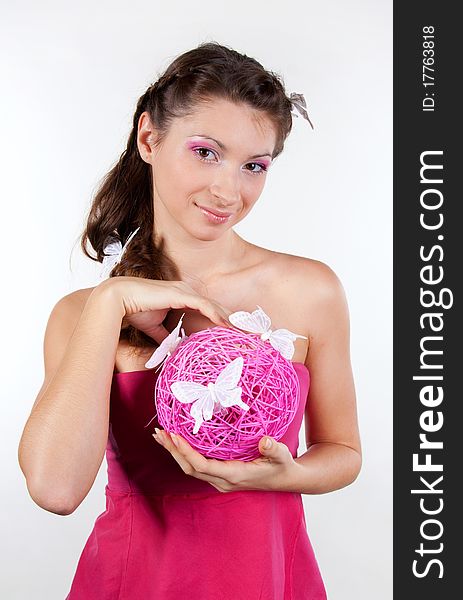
(214, 212)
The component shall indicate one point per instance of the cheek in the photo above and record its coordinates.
(175, 179)
(253, 186)
(187, 177)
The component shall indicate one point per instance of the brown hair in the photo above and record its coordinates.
(124, 200)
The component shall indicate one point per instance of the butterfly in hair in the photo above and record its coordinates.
(113, 252)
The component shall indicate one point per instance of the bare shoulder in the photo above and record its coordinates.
(60, 327)
(308, 295)
(66, 313)
(61, 324)
(71, 305)
(309, 278)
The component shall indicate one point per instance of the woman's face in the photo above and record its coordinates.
(216, 159)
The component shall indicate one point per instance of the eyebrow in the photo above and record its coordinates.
(224, 148)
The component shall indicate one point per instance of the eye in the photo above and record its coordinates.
(204, 153)
(261, 168)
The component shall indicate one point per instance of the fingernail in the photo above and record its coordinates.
(268, 443)
(174, 439)
(156, 430)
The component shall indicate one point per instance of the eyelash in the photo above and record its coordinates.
(195, 150)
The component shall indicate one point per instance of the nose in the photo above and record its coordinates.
(226, 187)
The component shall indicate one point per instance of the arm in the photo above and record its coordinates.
(334, 457)
(65, 436)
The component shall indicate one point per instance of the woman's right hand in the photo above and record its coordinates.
(146, 303)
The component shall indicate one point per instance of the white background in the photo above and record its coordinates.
(71, 74)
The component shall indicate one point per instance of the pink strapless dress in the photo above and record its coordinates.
(166, 535)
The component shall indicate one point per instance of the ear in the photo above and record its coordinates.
(146, 137)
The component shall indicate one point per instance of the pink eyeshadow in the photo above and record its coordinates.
(199, 144)
(202, 144)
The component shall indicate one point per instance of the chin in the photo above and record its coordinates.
(208, 234)
(208, 237)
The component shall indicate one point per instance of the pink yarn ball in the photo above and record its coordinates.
(270, 387)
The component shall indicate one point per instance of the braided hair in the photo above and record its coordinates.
(123, 200)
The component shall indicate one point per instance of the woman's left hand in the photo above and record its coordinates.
(268, 472)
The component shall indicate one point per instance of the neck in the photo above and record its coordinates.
(201, 261)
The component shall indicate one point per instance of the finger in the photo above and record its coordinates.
(157, 333)
(207, 469)
(143, 322)
(216, 313)
(213, 311)
(193, 462)
(226, 470)
(208, 308)
(217, 482)
(225, 313)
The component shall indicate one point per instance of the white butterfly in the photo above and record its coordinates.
(167, 346)
(258, 322)
(211, 399)
(114, 252)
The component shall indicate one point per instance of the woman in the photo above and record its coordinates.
(176, 523)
